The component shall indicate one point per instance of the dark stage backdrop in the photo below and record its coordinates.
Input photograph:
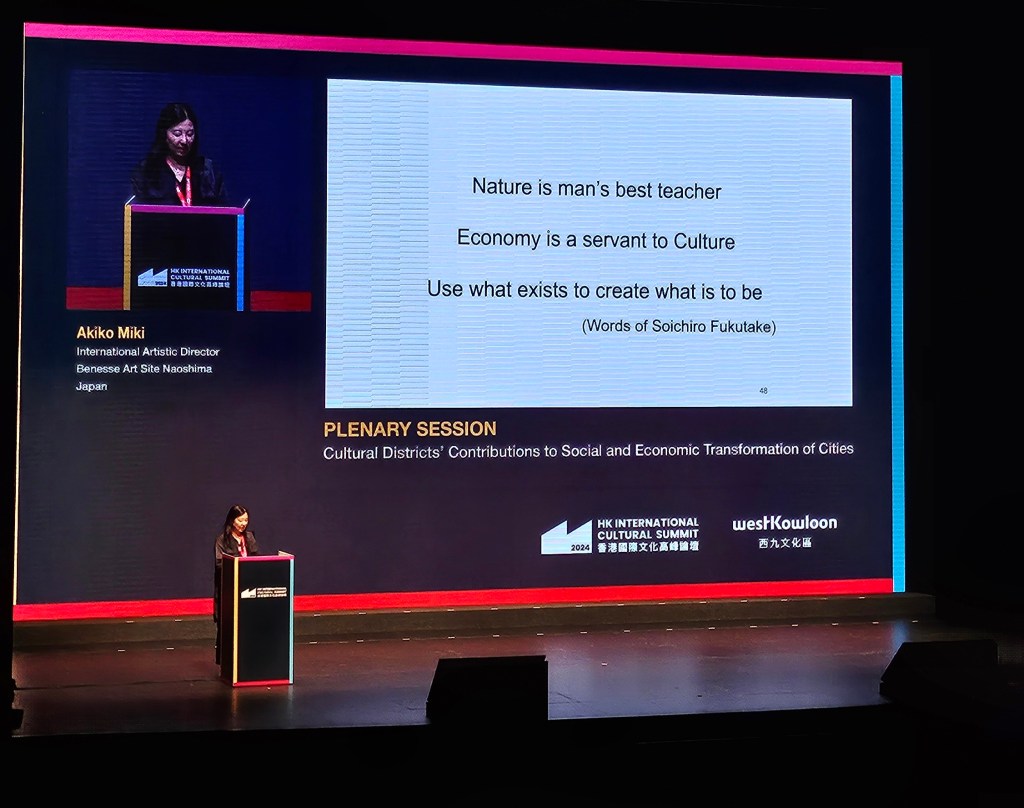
(514, 324)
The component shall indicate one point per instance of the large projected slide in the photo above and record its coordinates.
(586, 248)
(624, 327)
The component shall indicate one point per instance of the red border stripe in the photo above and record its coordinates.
(105, 298)
(280, 301)
(261, 684)
(399, 47)
(474, 597)
(192, 209)
(94, 297)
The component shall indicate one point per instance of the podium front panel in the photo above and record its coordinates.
(258, 620)
(187, 258)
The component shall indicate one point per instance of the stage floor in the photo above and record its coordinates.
(704, 693)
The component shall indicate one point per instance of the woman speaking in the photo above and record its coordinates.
(234, 539)
(175, 172)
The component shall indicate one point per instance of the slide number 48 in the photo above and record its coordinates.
(763, 391)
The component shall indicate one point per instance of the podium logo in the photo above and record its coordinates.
(264, 592)
(561, 541)
(153, 278)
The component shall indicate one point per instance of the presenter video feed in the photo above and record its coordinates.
(619, 329)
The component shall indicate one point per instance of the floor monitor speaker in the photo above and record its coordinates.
(946, 676)
(489, 689)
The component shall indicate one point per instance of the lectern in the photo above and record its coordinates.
(257, 620)
(184, 257)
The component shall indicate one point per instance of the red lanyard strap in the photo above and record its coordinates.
(186, 198)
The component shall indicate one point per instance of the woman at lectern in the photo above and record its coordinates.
(175, 172)
(234, 539)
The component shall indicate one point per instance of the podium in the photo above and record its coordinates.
(184, 257)
(257, 620)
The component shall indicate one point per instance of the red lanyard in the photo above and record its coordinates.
(186, 198)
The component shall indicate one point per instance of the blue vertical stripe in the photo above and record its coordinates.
(291, 619)
(240, 261)
(899, 582)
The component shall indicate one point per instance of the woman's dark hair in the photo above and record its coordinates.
(170, 116)
(233, 513)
